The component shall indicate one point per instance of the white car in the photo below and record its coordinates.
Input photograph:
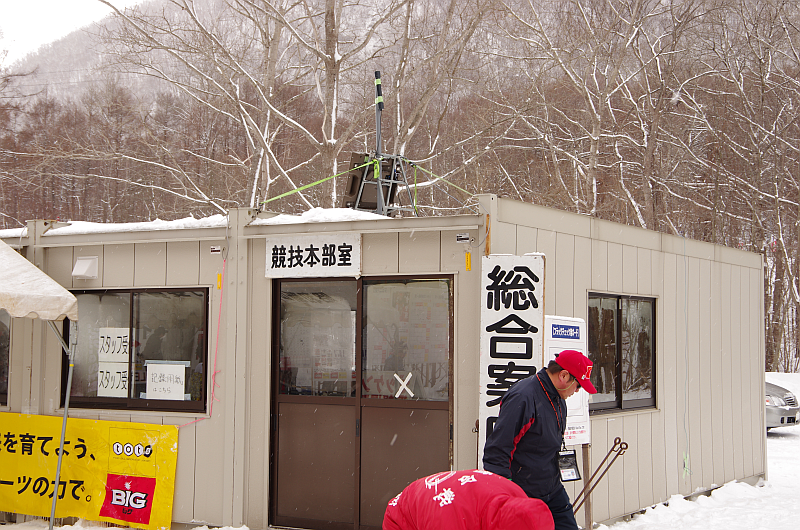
(782, 407)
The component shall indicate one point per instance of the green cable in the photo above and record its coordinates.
(301, 188)
(376, 171)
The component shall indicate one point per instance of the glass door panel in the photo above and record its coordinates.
(316, 443)
(406, 340)
(352, 433)
(317, 347)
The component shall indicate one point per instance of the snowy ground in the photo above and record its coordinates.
(772, 505)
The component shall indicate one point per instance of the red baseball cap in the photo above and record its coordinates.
(579, 366)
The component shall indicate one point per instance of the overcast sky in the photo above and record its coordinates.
(27, 24)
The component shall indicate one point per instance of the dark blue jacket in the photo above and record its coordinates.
(527, 436)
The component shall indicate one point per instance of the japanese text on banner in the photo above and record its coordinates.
(116, 472)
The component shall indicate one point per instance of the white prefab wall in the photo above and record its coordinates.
(707, 427)
(708, 424)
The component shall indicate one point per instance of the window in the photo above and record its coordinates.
(405, 338)
(5, 348)
(622, 348)
(318, 349)
(140, 349)
(406, 342)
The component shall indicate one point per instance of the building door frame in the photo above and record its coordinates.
(305, 427)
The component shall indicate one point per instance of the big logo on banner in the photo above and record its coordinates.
(111, 471)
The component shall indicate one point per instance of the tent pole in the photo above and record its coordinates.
(70, 350)
(60, 338)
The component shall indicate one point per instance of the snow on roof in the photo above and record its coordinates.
(314, 215)
(320, 215)
(85, 227)
(13, 232)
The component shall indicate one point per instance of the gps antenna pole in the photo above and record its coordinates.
(378, 109)
(376, 168)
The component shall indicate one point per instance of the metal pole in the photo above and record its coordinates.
(587, 468)
(614, 448)
(618, 449)
(378, 109)
(376, 168)
(73, 341)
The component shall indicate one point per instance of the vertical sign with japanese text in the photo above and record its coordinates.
(116, 472)
(309, 255)
(512, 322)
(112, 366)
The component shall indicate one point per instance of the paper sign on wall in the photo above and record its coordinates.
(565, 333)
(112, 369)
(166, 379)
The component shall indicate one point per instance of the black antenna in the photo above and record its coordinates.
(378, 109)
(373, 180)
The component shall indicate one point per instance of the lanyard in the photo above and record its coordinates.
(558, 417)
(567, 460)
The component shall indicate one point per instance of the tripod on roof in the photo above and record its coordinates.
(373, 180)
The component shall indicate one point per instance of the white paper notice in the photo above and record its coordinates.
(166, 381)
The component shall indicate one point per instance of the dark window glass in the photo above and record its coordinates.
(637, 357)
(142, 349)
(622, 348)
(102, 355)
(5, 348)
(602, 327)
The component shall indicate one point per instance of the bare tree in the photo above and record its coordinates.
(238, 57)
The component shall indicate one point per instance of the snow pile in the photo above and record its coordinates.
(735, 505)
(321, 215)
(85, 227)
(314, 215)
(13, 232)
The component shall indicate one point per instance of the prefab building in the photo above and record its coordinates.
(328, 364)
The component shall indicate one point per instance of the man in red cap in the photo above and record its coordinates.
(465, 500)
(529, 432)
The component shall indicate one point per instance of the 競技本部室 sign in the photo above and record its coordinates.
(307, 255)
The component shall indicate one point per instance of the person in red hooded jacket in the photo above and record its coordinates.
(465, 500)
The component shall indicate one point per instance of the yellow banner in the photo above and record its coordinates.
(118, 472)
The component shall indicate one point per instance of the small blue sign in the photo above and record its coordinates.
(566, 332)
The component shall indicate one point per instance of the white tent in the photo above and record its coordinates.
(27, 292)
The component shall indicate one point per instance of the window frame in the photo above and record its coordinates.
(621, 404)
(4, 394)
(362, 353)
(129, 403)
